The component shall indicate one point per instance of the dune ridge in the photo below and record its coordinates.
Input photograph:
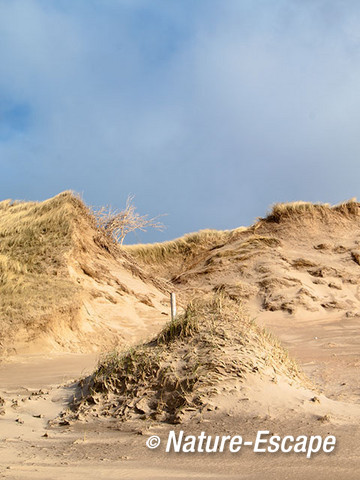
(62, 281)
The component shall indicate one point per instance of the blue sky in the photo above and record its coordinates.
(208, 111)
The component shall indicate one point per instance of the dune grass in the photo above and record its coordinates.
(187, 246)
(35, 238)
(36, 234)
(192, 359)
(283, 211)
(182, 250)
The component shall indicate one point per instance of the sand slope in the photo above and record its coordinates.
(305, 258)
(297, 271)
(64, 286)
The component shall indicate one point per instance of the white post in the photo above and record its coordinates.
(173, 305)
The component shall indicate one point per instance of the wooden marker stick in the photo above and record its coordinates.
(173, 305)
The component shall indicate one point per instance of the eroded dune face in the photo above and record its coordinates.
(64, 286)
(301, 258)
(296, 272)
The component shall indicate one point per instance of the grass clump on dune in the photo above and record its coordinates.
(190, 361)
(283, 211)
(180, 327)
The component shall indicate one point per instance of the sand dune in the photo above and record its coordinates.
(67, 288)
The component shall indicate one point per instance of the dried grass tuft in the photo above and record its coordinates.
(193, 358)
(284, 211)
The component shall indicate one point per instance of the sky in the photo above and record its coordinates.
(208, 111)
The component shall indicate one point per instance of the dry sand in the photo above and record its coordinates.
(111, 449)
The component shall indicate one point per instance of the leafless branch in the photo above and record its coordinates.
(118, 223)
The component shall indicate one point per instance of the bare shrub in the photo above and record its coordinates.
(118, 223)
